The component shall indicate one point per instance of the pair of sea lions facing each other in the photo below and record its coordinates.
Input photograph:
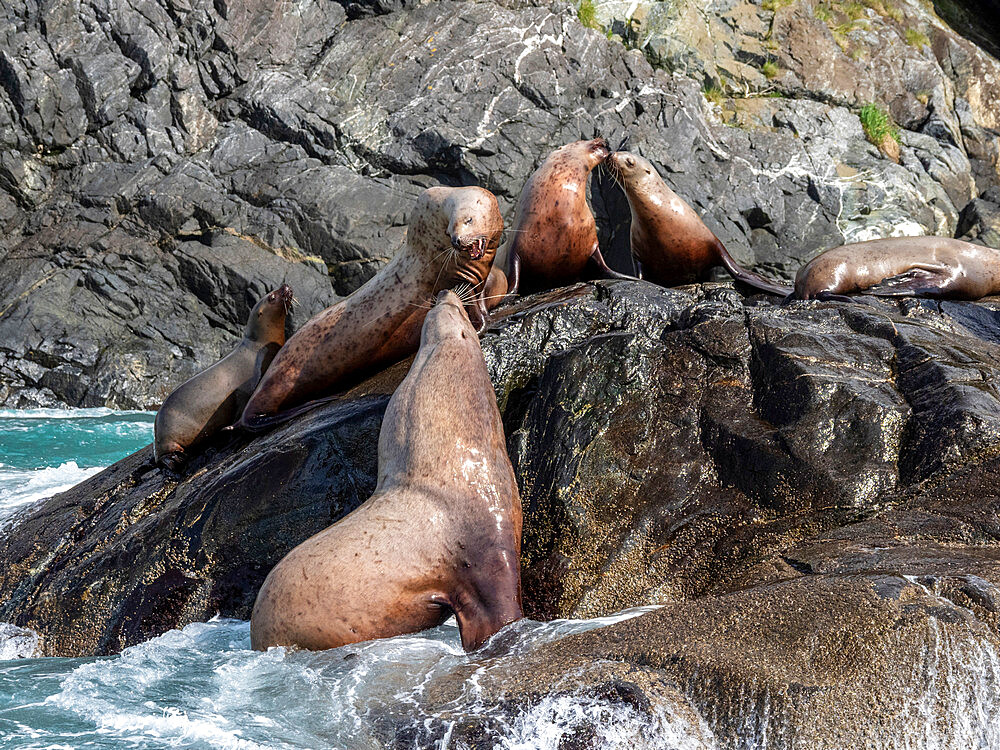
(442, 532)
(554, 239)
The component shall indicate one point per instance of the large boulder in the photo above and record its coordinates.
(669, 444)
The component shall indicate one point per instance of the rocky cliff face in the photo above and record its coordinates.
(164, 163)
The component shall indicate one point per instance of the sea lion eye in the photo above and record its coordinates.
(469, 220)
(630, 161)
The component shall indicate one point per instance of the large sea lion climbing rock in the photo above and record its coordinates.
(452, 238)
(902, 266)
(214, 398)
(441, 533)
(554, 238)
(669, 240)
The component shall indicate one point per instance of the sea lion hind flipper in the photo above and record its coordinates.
(917, 282)
(750, 278)
(263, 423)
(598, 269)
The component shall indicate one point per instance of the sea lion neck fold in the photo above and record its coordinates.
(441, 532)
(669, 240)
(452, 238)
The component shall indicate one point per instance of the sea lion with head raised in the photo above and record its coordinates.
(214, 398)
(452, 238)
(554, 239)
(441, 533)
(669, 240)
(902, 266)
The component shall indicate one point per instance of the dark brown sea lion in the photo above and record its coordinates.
(441, 533)
(669, 240)
(452, 238)
(554, 239)
(902, 266)
(214, 398)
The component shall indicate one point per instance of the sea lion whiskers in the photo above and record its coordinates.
(380, 322)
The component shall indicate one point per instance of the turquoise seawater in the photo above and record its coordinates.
(203, 687)
(45, 451)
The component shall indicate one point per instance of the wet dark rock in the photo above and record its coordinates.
(666, 442)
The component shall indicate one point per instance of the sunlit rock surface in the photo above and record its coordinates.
(164, 163)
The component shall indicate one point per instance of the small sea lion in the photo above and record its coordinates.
(902, 266)
(452, 238)
(441, 533)
(215, 397)
(554, 239)
(670, 242)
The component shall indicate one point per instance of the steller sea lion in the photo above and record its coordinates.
(554, 240)
(212, 399)
(452, 238)
(902, 266)
(669, 240)
(441, 533)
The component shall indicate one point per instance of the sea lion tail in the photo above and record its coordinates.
(265, 422)
(749, 277)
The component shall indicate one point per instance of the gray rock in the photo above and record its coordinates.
(311, 132)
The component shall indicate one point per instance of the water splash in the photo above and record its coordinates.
(17, 643)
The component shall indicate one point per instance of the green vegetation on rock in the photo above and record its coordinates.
(775, 5)
(769, 69)
(877, 124)
(587, 14)
(823, 13)
(854, 10)
(880, 130)
(714, 94)
(917, 38)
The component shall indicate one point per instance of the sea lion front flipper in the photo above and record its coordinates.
(173, 462)
(514, 277)
(478, 314)
(495, 288)
(917, 282)
(598, 269)
(263, 423)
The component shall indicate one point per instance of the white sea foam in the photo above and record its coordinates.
(72, 413)
(17, 643)
(21, 487)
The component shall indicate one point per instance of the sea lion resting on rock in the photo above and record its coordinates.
(452, 238)
(669, 240)
(442, 531)
(214, 398)
(554, 239)
(902, 266)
